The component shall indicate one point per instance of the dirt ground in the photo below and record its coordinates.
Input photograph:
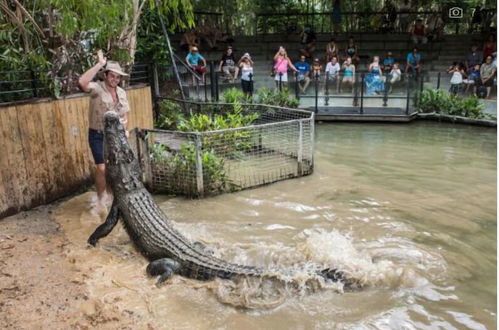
(40, 288)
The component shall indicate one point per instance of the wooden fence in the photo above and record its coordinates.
(44, 152)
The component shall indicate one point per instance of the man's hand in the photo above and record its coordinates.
(100, 56)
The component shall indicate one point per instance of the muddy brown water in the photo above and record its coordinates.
(409, 210)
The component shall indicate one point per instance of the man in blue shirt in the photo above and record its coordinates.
(414, 61)
(302, 76)
(193, 59)
(388, 62)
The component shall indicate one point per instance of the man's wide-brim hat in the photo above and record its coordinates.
(115, 67)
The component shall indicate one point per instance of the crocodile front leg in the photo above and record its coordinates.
(108, 225)
(165, 267)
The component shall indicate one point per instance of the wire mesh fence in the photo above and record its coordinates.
(277, 145)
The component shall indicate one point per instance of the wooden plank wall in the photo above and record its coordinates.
(44, 153)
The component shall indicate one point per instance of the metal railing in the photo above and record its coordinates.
(277, 145)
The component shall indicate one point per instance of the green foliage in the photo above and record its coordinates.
(430, 100)
(233, 95)
(170, 115)
(275, 97)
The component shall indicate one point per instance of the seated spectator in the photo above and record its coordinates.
(413, 61)
(348, 73)
(490, 47)
(303, 74)
(388, 62)
(456, 80)
(246, 65)
(487, 73)
(333, 72)
(228, 65)
(352, 51)
(316, 68)
(331, 49)
(308, 39)
(374, 78)
(394, 76)
(474, 57)
(473, 78)
(189, 39)
(418, 33)
(193, 59)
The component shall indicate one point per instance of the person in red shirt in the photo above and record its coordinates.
(490, 47)
(418, 33)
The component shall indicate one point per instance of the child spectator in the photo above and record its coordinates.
(394, 76)
(316, 68)
(456, 81)
(193, 59)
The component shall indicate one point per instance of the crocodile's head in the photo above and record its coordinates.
(122, 168)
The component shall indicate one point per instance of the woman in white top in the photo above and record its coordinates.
(246, 65)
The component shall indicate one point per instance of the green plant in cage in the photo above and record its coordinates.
(170, 115)
(233, 95)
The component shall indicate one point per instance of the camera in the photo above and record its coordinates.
(456, 12)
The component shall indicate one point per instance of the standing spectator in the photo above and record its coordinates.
(105, 96)
(281, 64)
(394, 76)
(246, 65)
(487, 73)
(316, 68)
(228, 65)
(348, 73)
(331, 49)
(418, 33)
(193, 59)
(490, 46)
(336, 17)
(308, 39)
(388, 62)
(333, 72)
(413, 61)
(456, 80)
(303, 74)
(374, 80)
(352, 51)
(404, 16)
(474, 57)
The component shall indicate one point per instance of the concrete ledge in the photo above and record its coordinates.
(456, 119)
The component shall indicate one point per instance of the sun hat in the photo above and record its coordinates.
(247, 55)
(194, 49)
(115, 67)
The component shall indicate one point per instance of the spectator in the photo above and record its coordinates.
(333, 72)
(331, 49)
(316, 68)
(281, 64)
(388, 62)
(394, 76)
(374, 80)
(473, 78)
(308, 40)
(489, 48)
(456, 81)
(246, 65)
(474, 57)
(352, 51)
(418, 33)
(303, 74)
(348, 73)
(193, 59)
(228, 65)
(413, 61)
(487, 72)
(404, 16)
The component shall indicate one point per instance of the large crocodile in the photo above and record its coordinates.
(149, 228)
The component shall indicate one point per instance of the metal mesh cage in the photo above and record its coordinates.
(277, 145)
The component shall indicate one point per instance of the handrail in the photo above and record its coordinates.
(187, 67)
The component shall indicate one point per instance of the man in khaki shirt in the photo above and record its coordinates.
(104, 96)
